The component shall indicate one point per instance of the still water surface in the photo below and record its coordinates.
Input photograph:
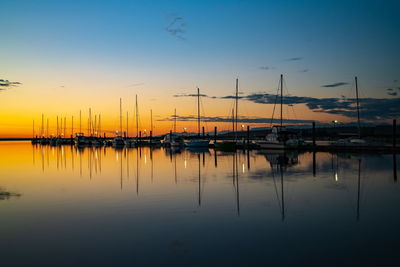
(156, 207)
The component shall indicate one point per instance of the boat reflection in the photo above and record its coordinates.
(157, 164)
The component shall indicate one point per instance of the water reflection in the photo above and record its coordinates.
(147, 198)
(281, 167)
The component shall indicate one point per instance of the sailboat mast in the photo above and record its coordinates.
(137, 118)
(80, 121)
(95, 125)
(120, 116)
(100, 125)
(72, 126)
(151, 120)
(90, 122)
(281, 84)
(42, 131)
(358, 109)
(236, 107)
(174, 120)
(127, 124)
(47, 131)
(33, 129)
(233, 120)
(198, 111)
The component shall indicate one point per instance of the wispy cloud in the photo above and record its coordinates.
(5, 84)
(193, 95)
(135, 84)
(294, 59)
(241, 119)
(266, 68)
(304, 70)
(372, 109)
(334, 84)
(176, 26)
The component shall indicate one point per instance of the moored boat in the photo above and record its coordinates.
(197, 142)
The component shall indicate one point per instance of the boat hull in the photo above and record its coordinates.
(225, 146)
(197, 143)
(268, 145)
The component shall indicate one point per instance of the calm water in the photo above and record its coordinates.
(196, 208)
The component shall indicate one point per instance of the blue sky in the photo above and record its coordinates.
(111, 45)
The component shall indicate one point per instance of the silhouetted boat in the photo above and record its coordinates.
(355, 141)
(118, 141)
(280, 138)
(231, 145)
(197, 142)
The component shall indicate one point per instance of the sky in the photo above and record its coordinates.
(58, 58)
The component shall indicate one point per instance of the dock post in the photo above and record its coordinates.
(394, 133)
(313, 134)
(215, 134)
(203, 131)
(248, 136)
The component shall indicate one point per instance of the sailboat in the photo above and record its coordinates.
(152, 141)
(231, 144)
(355, 141)
(173, 139)
(197, 142)
(130, 142)
(279, 138)
(119, 141)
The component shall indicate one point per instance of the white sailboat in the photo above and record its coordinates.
(279, 138)
(119, 141)
(354, 141)
(197, 142)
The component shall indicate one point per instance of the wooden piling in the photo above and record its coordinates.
(202, 129)
(248, 135)
(313, 134)
(215, 134)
